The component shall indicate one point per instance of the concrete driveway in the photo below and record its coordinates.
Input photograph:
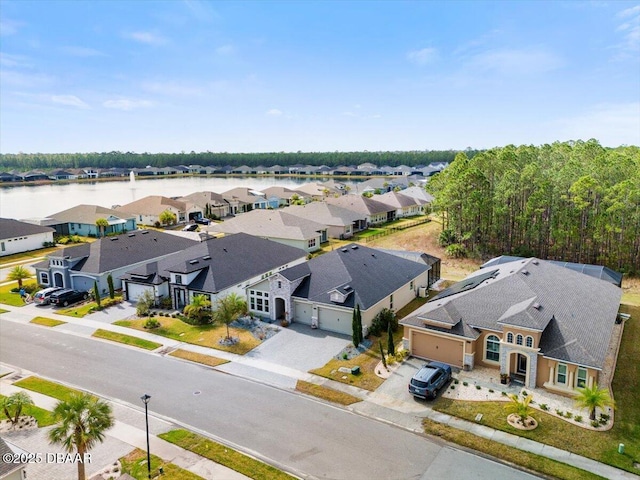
(300, 347)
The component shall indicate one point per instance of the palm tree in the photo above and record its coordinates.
(592, 398)
(13, 404)
(82, 421)
(519, 407)
(168, 218)
(19, 273)
(198, 307)
(102, 223)
(228, 309)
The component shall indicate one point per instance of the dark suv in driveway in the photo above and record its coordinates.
(429, 379)
(65, 297)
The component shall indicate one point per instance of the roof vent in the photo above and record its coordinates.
(344, 250)
(525, 272)
(207, 257)
(536, 262)
(355, 247)
(144, 232)
(131, 235)
(193, 262)
(348, 288)
(537, 306)
(113, 239)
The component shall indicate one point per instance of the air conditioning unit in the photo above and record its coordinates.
(422, 292)
(314, 322)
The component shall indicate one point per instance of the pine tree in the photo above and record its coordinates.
(390, 346)
(112, 292)
(96, 293)
(354, 329)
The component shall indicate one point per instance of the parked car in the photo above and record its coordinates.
(67, 296)
(42, 297)
(429, 379)
(203, 221)
(192, 227)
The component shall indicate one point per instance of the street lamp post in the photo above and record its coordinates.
(145, 398)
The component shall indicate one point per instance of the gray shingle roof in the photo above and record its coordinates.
(360, 204)
(88, 214)
(223, 262)
(10, 228)
(111, 253)
(574, 312)
(372, 275)
(6, 467)
(331, 215)
(271, 223)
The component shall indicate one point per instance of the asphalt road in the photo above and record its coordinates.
(301, 435)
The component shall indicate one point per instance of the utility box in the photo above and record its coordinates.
(355, 370)
(621, 448)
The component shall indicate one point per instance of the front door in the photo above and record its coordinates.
(522, 364)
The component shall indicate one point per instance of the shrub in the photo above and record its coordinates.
(604, 417)
(478, 387)
(456, 381)
(456, 250)
(165, 303)
(504, 394)
(453, 387)
(381, 321)
(151, 323)
(559, 412)
(578, 418)
(466, 384)
(524, 393)
(595, 423)
(568, 415)
(491, 390)
(446, 238)
(544, 406)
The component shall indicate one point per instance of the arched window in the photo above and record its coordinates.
(493, 348)
(529, 341)
(518, 339)
(509, 337)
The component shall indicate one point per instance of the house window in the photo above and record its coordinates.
(312, 243)
(179, 279)
(411, 285)
(493, 349)
(518, 339)
(529, 341)
(279, 284)
(509, 337)
(44, 278)
(259, 301)
(561, 378)
(581, 377)
(390, 302)
(3, 247)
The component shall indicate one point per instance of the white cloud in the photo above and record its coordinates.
(82, 52)
(201, 10)
(274, 112)
(423, 57)
(14, 61)
(516, 62)
(226, 50)
(23, 80)
(629, 47)
(147, 38)
(172, 89)
(127, 104)
(69, 100)
(630, 12)
(612, 124)
(9, 27)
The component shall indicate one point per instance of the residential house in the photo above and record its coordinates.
(340, 222)
(374, 212)
(10, 177)
(215, 268)
(278, 226)
(405, 206)
(319, 190)
(18, 237)
(323, 292)
(81, 220)
(147, 210)
(79, 266)
(418, 193)
(217, 206)
(61, 175)
(34, 176)
(282, 196)
(10, 470)
(421, 257)
(242, 199)
(539, 323)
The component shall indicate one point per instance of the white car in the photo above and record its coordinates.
(42, 297)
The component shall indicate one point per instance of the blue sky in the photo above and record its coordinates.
(264, 76)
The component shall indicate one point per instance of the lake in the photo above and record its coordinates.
(42, 200)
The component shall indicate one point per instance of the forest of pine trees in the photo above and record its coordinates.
(575, 201)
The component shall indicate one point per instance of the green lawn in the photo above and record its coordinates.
(126, 339)
(42, 416)
(26, 257)
(224, 455)
(47, 322)
(601, 446)
(206, 335)
(10, 298)
(45, 387)
(370, 232)
(135, 464)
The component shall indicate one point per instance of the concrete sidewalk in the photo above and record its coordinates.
(130, 435)
(379, 405)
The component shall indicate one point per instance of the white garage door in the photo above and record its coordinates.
(338, 321)
(134, 290)
(302, 312)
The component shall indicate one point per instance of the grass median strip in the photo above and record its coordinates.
(527, 460)
(45, 387)
(135, 464)
(126, 339)
(42, 416)
(47, 322)
(224, 455)
(198, 358)
(326, 393)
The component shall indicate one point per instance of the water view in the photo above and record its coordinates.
(43, 200)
